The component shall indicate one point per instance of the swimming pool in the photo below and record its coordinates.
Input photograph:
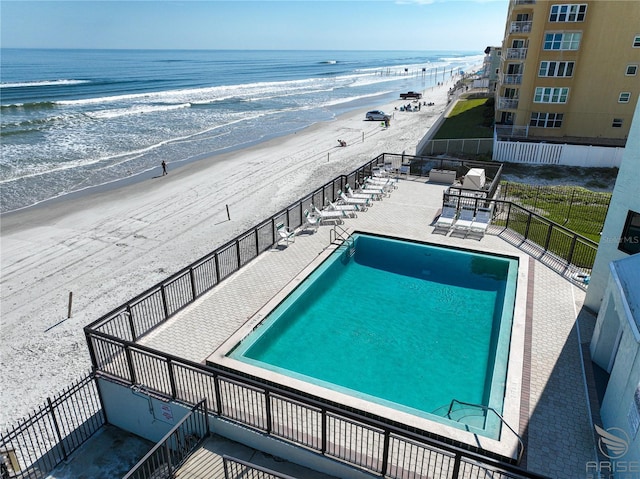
(402, 324)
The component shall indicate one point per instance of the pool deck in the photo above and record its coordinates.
(556, 398)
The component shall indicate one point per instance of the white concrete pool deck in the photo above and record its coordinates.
(557, 430)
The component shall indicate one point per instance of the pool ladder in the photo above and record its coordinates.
(338, 232)
(470, 409)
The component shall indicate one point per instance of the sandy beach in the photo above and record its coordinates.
(108, 246)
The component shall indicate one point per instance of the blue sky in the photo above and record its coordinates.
(265, 24)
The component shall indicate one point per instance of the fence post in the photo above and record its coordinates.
(163, 293)
(134, 336)
(323, 433)
(172, 380)
(56, 427)
(456, 466)
(385, 454)
(267, 403)
(132, 372)
(548, 239)
(192, 278)
(238, 257)
(526, 230)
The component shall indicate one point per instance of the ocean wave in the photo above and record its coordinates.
(133, 110)
(39, 83)
(33, 105)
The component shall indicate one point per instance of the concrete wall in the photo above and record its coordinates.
(626, 196)
(139, 413)
(557, 154)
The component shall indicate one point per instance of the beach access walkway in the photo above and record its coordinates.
(557, 400)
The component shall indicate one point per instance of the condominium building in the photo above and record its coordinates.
(569, 72)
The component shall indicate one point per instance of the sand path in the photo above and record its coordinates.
(107, 247)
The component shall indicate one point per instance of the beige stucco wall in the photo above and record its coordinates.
(599, 74)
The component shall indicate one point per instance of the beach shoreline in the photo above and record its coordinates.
(109, 244)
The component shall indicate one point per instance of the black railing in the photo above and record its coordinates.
(235, 468)
(37, 444)
(360, 439)
(567, 249)
(166, 457)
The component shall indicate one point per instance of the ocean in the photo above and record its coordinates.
(77, 119)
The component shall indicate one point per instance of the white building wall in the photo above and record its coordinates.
(626, 196)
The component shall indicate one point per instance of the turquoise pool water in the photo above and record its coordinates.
(403, 324)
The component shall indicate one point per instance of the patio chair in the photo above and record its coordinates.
(350, 210)
(311, 221)
(384, 183)
(360, 194)
(481, 222)
(361, 202)
(372, 189)
(284, 234)
(463, 224)
(446, 219)
(324, 215)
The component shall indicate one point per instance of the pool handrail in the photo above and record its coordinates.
(490, 409)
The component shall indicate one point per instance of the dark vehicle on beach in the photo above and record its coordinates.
(411, 94)
(377, 115)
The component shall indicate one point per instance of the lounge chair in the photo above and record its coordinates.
(361, 195)
(325, 215)
(350, 210)
(481, 222)
(285, 234)
(384, 183)
(311, 221)
(464, 221)
(372, 189)
(446, 219)
(362, 202)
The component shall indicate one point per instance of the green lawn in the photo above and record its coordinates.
(466, 120)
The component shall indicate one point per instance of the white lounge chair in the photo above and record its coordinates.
(373, 189)
(324, 215)
(353, 201)
(350, 210)
(360, 194)
(446, 219)
(384, 183)
(464, 221)
(481, 222)
(284, 234)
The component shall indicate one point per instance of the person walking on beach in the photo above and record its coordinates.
(164, 168)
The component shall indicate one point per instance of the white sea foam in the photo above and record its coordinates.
(42, 83)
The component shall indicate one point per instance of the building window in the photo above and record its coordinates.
(568, 13)
(546, 120)
(636, 41)
(624, 97)
(551, 95)
(630, 239)
(556, 69)
(632, 70)
(617, 123)
(562, 41)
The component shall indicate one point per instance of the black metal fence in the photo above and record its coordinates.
(235, 468)
(166, 457)
(577, 209)
(37, 444)
(354, 437)
(564, 248)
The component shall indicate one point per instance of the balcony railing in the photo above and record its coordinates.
(511, 78)
(511, 131)
(520, 27)
(525, 2)
(516, 53)
(507, 103)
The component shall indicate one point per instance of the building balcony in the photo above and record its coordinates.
(504, 132)
(520, 27)
(507, 103)
(524, 2)
(511, 79)
(516, 54)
